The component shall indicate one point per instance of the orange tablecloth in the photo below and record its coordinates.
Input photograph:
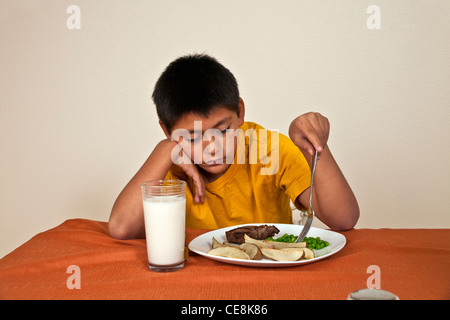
(414, 264)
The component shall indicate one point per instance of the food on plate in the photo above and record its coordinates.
(284, 238)
(312, 243)
(259, 243)
(216, 244)
(283, 248)
(229, 252)
(309, 254)
(252, 250)
(321, 252)
(261, 232)
(316, 243)
(283, 245)
(282, 254)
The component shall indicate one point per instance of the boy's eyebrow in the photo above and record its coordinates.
(217, 124)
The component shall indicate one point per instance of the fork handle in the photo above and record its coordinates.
(313, 172)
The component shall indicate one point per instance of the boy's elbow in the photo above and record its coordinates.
(349, 221)
(118, 230)
(344, 226)
(124, 229)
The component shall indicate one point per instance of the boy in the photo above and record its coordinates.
(209, 145)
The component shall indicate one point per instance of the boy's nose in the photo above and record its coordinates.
(212, 147)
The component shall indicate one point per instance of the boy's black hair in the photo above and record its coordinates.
(194, 83)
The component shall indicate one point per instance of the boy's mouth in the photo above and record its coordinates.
(214, 162)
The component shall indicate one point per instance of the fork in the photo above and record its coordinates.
(310, 213)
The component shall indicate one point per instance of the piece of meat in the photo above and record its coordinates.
(261, 232)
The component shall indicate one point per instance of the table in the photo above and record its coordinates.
(413, 264)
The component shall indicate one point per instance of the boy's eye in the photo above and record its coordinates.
(225, 130)
(199, 137)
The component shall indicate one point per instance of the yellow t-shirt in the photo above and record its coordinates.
(254, 189)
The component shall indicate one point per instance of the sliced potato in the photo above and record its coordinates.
(252, 250)
(229, 252)
(216, 244)
(259, 243)
(309, 254)
(283, 255)
(282, 245)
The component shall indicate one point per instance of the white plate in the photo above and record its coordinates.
(202, 244)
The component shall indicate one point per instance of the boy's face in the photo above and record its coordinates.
(209, 141)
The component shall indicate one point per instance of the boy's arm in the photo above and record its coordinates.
(127, 215)
(333, 200)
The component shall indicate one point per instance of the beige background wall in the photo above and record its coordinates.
(77, 120)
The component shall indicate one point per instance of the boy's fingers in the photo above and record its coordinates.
(311, 140)
(306, 145)
(191, 171)
(314, 137)
(199, 192)
(309, 144)
(317, 132)
(310, 132)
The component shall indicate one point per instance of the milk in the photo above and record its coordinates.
(165, 229)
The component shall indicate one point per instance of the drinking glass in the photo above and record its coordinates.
(164, 204)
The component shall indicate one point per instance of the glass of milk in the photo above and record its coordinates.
(164, 214)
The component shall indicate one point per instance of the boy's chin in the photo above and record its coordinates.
(215, 168)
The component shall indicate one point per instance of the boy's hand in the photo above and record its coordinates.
(310, 132)
(186, 168)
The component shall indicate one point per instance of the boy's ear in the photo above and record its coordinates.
(166, 132)
(241, 111)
